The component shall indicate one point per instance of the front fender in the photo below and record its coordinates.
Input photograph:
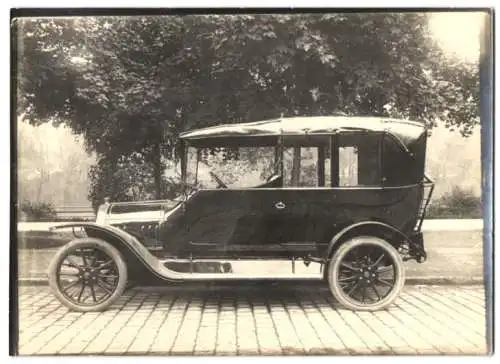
(376, 228)
(127, 244)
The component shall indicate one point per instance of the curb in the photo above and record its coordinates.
(412, 281)
(32, 282)
(445, 281)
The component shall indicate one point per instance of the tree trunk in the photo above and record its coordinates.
(157, 170)
(296, 167)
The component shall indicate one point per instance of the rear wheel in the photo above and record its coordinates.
(88, 275)
(366, 273)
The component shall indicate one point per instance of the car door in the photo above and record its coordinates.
(220, 220)
(297, 215)
(294, 215)
(282, 216)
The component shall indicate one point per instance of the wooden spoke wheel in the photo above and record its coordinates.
(88, 275)
(366, 273)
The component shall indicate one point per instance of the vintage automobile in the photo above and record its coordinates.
(346, 196)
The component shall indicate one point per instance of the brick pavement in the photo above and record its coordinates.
(247, 320)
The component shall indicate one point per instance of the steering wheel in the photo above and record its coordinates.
(189, 189)
(271, 177)
(218, 180)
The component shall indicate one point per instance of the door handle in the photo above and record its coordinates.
(279, 205)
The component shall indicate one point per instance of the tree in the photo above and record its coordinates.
(130, 85)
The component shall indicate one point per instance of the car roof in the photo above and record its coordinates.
(405, 130)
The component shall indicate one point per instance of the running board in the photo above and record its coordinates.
(210, 269)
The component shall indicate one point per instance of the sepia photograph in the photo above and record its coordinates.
(251, 182)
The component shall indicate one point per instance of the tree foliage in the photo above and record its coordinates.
(132, 84)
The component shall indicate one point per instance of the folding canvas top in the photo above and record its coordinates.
(406, 131)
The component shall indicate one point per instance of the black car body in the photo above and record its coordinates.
(304, 189)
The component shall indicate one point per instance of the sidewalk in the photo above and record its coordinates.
(251, 321)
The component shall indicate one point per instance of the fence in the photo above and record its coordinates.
(73, 212)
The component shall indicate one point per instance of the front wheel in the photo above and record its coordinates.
(366, 273)
(87, 275)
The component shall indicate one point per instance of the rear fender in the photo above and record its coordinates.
(373, 228)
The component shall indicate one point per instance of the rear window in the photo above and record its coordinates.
(359, 160)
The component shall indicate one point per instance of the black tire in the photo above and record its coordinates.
(349, 273)
(109, 277)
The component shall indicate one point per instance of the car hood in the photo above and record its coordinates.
(136, 212)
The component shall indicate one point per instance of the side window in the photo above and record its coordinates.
(327, 167)
(191, 167)
(359, 160)
(348, 166)
(300, 166)
(244, 167)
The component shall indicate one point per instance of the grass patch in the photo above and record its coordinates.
(458, 204)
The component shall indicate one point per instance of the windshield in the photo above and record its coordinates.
(241, 167)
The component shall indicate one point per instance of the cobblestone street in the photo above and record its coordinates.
(246, 320)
